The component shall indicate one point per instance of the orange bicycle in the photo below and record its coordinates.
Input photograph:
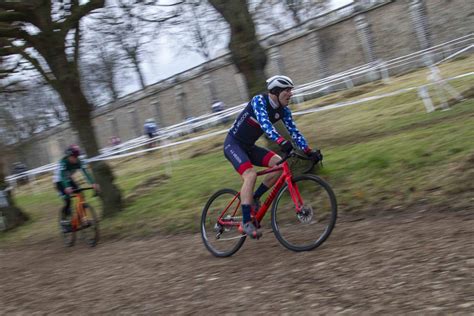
(304, 213)
(83, 220)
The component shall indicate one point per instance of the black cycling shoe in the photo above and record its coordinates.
(250, 230)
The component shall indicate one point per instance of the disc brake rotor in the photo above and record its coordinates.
(305, 215)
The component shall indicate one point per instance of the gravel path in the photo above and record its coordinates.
(400, 263)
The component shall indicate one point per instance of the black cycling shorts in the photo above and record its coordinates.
(243, 156)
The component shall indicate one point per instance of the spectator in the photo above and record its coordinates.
(217, 106)
(114, 141)
(150, 130)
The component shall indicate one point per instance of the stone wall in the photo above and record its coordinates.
(448, 19)
(329, 44)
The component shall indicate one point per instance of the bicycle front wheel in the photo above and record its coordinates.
(308, 228)
(89, 226)
(222, 239)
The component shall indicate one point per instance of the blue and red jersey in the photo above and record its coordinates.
(258, 118)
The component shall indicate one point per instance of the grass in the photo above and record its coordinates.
(379, 155)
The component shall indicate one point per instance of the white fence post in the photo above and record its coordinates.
(425, 96)
(348, 82)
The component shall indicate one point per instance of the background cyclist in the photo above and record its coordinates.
(64, 182)
(240, 149)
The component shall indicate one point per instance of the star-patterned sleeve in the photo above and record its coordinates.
(260, 111)
(294, 132)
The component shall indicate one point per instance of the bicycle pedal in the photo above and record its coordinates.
(257, 235)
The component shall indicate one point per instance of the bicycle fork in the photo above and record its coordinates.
(295, 194)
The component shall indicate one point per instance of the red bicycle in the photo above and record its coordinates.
(304, 213)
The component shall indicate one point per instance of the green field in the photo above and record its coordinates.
(382, 155)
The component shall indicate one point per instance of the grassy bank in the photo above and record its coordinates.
(380, 155)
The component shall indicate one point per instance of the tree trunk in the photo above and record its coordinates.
(10, 215)
(247, 54)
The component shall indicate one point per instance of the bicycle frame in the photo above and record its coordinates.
(79, 210)
(79, 213)
(285, 177)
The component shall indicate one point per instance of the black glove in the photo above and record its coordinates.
(286, 146)
(315, 155)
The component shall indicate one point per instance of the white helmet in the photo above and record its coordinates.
(279, 81)
(150, 120)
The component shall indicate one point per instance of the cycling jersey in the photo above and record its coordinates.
(254, 120)
(258, 118)
(150, 128)
(65, 170)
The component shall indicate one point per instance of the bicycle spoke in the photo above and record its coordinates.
(312, 224)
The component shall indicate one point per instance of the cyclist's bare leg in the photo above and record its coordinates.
(246, 193)
(271, 178)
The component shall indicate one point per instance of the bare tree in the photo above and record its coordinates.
(199, 29)
(273, 16)
(129, 26)
(302, 10)
(101, 70)
(247, 53)
(46, 33)
(31, 109)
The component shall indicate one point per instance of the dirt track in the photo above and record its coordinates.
(401, 263)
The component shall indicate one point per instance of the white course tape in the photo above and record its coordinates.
(159, 147)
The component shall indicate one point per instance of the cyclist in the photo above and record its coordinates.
(240, 149)
(64, 182)
(150, 128)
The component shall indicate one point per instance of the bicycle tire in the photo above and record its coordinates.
(69, 238)
(320, 207)
(211, 231)
(89, 229)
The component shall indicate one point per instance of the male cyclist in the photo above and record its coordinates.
(240, 149)
(64, 182)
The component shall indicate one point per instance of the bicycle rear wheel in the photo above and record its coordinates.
(222, 240)
(89, 226)
(310, 227)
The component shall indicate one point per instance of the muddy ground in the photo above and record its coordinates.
(418, 262)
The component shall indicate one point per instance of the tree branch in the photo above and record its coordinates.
(78, 11)
(12, 16)
(20, 6)
(18, 33)
(38, 67)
